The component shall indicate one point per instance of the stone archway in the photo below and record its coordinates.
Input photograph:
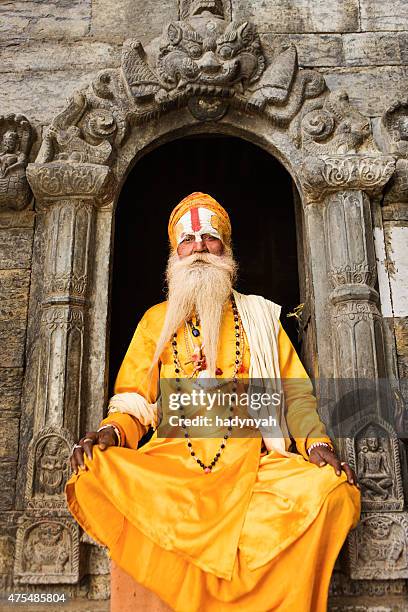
(259, 195)
(208, 74)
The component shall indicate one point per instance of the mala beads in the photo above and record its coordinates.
(178, 369)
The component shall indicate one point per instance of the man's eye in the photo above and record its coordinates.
(208, 237)
(188, 239)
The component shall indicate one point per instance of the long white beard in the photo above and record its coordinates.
(199, 284)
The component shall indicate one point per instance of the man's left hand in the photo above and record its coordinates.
(321, 455)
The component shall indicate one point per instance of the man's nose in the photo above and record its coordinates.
(199, 246)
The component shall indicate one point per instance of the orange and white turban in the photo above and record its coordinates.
(199, 214)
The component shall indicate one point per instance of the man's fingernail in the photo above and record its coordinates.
(352, 481)
(82, 467)
(338, 472)
(322, 463)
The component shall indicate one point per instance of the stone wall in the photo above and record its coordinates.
(50, 49)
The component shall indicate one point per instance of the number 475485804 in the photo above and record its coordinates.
(36, 597)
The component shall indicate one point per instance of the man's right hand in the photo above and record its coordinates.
(103, 439)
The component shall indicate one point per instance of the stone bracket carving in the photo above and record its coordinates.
(16, 137)
(322, 175)
(71, 180)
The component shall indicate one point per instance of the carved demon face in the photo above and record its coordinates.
(208, 51)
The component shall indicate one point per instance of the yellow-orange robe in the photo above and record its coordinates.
(259, 533)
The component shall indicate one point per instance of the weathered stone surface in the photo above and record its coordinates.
(370, 89)
(15, 248)
(12, 340)
(99, 562)
(10, 388)
(120, 20)
(26, 92)
(300, 16)
(99, 586)
(37, 19)
(383, 15)
(376, 49)
(16, 219)
(9, 439)
(401, 341)
(7, 485)
(14, 286)
(51, 55)
(313, 49)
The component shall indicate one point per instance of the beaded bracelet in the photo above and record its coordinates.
(315, 444)
(116, 430)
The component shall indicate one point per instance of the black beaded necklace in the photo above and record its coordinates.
(238, 331)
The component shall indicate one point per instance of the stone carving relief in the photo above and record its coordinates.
(209, 63)
(92, 126)
(48, 467)
(373, 454)
(378, 546)
(331, 173)
(335, 128)
(16, 137)
(47, 551)
(338, 148)
(394, 125)
(189, 8)
(87, 181)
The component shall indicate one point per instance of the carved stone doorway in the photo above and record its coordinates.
(257, 192)
(329, 150)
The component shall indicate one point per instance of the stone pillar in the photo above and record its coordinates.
(341, 186)
(47, 538)
(395, 224)
(357, 333)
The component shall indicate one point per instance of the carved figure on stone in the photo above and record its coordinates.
(15, 142)
(373, 449)
(380, 540)
(336, 128)
(51, 471)
(48, 467)
(64, 140)
(373, 466)
(47, 548)
(209, 62)
(209, 52)
(93, 124)
(394, 125)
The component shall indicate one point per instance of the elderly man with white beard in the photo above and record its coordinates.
(221, 522)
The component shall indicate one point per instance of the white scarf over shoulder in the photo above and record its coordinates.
(260, 320)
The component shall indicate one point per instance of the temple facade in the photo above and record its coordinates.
(91, 87)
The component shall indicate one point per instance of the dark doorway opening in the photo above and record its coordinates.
(257, 192)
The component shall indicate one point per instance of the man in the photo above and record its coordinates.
(226, 522)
